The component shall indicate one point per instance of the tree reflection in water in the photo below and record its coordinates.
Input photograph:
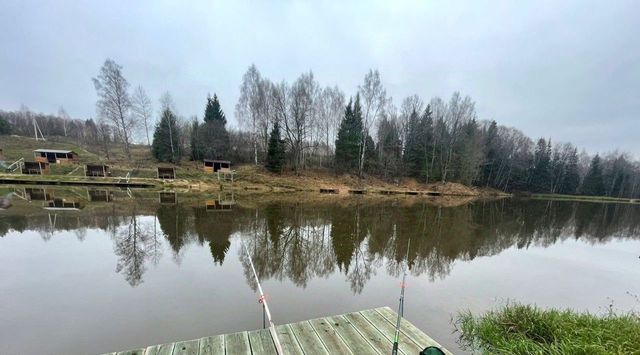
(300, 241)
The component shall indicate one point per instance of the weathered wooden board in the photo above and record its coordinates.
(288, 341)
(212, 345)
(329, 336)
(190, 347)
(161, 349)
(405, 344)
(409, 329)
(262, 343)
(308, 338)
(354, 340)
(237, 343)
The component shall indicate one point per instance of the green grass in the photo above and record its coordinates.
(523, 329)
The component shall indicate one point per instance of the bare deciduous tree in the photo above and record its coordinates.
(374, 98)
(252, 107)
(62, 113)
(114, 103)
(142, 109)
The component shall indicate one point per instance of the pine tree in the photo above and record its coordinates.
(275, 150)
(541, 172)
(5, 126)
(213, 139)
(491, 149)
(414, 148)
(572, 174)
(166, 138)
(213, 112)
(196, 146)
(593, 182)
(349, 137)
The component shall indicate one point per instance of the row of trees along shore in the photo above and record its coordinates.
(302, 125)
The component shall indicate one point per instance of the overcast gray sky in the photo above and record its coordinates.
(568, 70)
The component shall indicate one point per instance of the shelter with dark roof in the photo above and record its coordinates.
(96, 170)
(55, 156)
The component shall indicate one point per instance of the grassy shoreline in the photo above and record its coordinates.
(525, 329)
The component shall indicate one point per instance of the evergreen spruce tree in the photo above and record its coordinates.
(196, 146)
(275, 150)
(593, 182)
(166, 138)
(541, 173)
(5, 126)
(213, 112)
(491, 149)
(349, 138)
(414, 148)
(213, 139)
(571, 179)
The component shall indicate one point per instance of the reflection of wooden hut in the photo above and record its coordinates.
(33, 194)
(35, 168)
(100, 195)
(168, 197)
(61, 204)
(166, 173)
(55, 156)
(96, 170)
(223, 203)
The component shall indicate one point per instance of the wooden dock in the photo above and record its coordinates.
(365, 332)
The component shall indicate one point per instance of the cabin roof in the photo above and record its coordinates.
(218, 161)
(54, 151)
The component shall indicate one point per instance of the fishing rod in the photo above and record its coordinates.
(401, 305)
(265, 306)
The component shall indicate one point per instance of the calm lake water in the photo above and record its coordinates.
(88, 271)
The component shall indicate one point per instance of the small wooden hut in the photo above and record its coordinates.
(166, 173)
(35, 194)
(61, 204)
(168, 198)
(213, 166)
(1, 155)
(100, 195)
(35, 168)
(56, 156)
(96, 170)
(223, 203)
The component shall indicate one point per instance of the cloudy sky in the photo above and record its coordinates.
(566, 70)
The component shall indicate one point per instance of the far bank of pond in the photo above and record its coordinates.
(77, 261)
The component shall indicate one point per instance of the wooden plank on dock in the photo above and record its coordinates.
(372, 334)
(212, 345)
(237, 343)
(162, 349)
(288, 341)
(131, 352)
(308, 338)
(406, 345)
(262, 343)
(189, 347)
(409, 329)
(329, 336)
(354, 340)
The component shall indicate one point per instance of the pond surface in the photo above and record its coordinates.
(89, 271)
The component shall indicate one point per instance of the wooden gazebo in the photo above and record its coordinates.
(35, 168)
(96, 170)
(166, 173)
(56, 156)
